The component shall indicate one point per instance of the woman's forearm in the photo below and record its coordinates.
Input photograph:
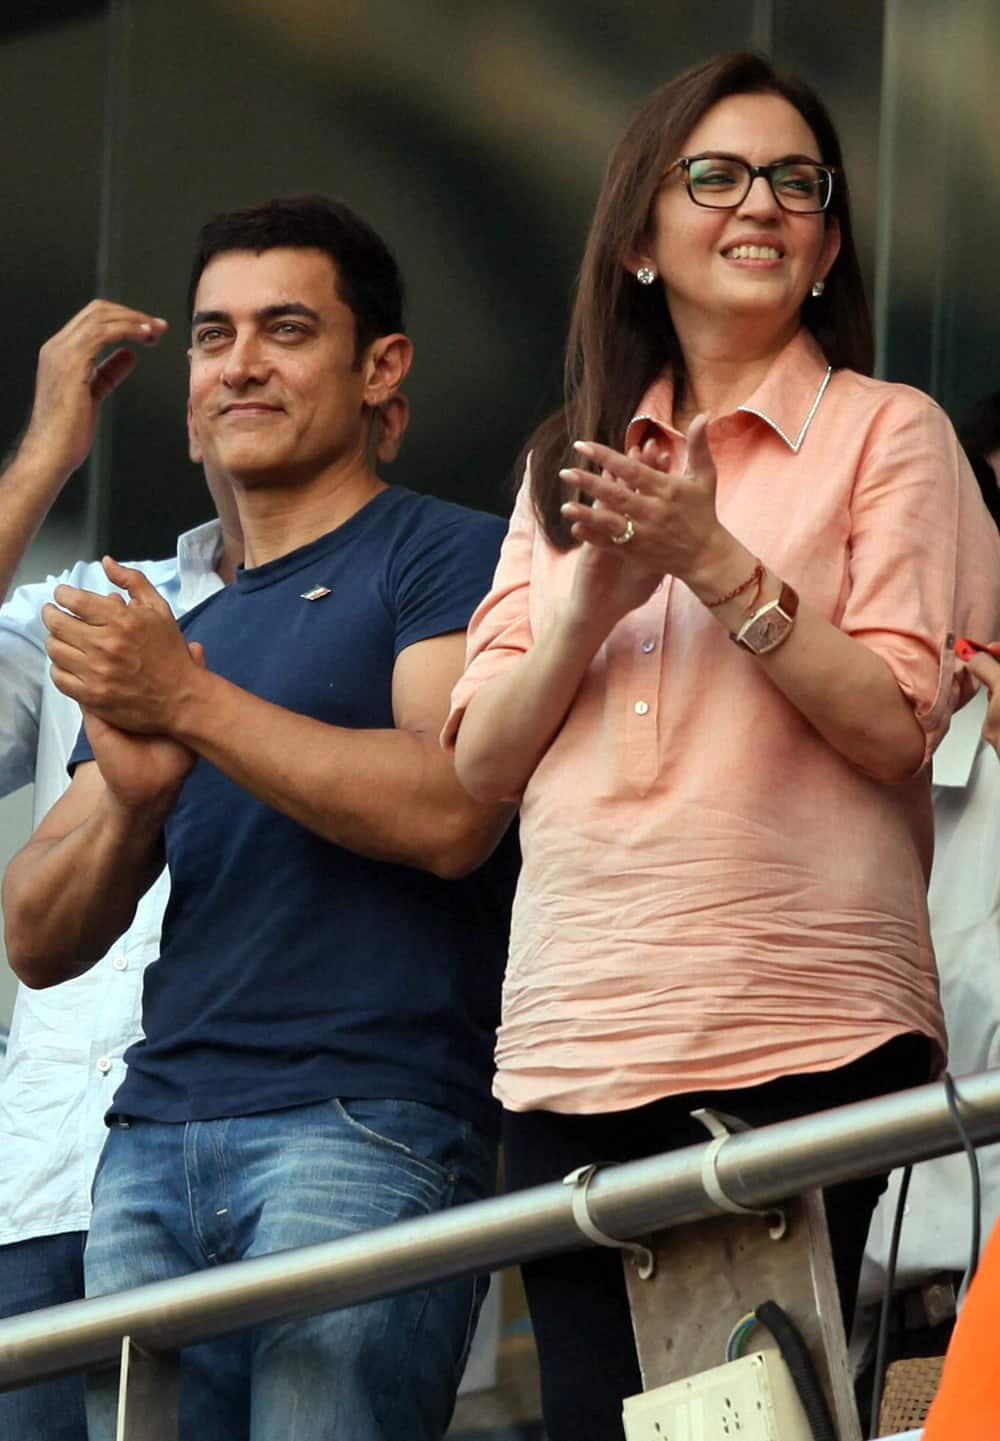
(840, 685)
(513, 718)
(850, 696)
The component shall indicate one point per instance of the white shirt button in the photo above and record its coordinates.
(647, 646)
(120, 963)
(641, 707)
(104, 1065)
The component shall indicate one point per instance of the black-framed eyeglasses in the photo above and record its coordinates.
(722, 182)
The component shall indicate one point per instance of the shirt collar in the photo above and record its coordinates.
(198, 554)
(787, 399)
(199, 550)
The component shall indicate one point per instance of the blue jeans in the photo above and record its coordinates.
(174, 1198)
(42, 1272)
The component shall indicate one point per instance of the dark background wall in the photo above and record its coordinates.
(52, 122)
(938, 287)
(472, 134)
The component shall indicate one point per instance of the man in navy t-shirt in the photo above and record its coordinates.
(319, 1025)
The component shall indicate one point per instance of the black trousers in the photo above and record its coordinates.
(578, 1302)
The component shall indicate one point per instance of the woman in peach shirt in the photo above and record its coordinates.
(726, 846)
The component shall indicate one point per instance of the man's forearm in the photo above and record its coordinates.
(388, 794)
(67, 898)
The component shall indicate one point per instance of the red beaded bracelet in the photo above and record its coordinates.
(757, 578)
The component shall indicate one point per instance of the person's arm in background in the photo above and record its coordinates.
(986, 668)
(103, 840)
(71, 384)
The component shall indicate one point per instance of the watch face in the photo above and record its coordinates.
(767, 631)
(772, 628)
(769, 627)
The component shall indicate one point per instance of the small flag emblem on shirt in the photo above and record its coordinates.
(316, 593)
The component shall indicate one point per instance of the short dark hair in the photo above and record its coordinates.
(368, 278)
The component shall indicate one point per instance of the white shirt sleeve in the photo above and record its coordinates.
(23, 665)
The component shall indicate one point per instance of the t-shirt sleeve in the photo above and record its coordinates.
(924, 560)
(82, 751)
(442, 573)
(500, 629)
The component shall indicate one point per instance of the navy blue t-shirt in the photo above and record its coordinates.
(292, 970)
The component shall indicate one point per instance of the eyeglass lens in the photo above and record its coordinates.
(722, 183)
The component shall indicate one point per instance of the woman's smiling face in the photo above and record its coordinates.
(756, 259)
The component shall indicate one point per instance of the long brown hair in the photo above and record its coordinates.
(621, 336)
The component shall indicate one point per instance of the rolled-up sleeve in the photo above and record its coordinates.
(924, 559)
(500, 629)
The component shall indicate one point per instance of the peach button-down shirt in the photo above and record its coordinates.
(711, 895)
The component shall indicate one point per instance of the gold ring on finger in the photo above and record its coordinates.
(626, 534)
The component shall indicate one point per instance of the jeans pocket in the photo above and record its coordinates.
(426, 1136)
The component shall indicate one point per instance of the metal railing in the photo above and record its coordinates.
(637, 1198)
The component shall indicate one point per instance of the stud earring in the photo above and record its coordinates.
(645, 275)
(818, 286)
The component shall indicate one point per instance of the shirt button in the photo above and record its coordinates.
(647, 646)
(120, 963)
(104, 1065)
(641, 707)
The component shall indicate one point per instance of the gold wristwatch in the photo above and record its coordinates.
(770, 624)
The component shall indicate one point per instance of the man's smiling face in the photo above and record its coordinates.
(276, 388)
